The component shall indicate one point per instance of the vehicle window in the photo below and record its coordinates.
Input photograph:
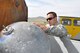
(76, 22)
(66, 21)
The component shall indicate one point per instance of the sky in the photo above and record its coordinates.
(61, 7)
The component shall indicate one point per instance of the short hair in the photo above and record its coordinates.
(55, 15)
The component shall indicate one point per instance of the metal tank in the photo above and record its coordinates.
(12, 11)
(23, 37)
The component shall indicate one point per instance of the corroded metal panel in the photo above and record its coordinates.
(12, 11)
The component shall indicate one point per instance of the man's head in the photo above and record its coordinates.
(52, 18)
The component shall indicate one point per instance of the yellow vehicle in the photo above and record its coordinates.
(72, 25)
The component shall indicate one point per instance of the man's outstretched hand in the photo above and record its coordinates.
(42, 26)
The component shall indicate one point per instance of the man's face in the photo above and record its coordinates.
(51, 19)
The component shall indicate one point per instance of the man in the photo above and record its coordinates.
(53, 28)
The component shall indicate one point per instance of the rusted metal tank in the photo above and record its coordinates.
(12, 11)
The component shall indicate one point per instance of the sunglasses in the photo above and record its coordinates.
(50, 18)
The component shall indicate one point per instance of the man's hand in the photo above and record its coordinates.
(42, 26)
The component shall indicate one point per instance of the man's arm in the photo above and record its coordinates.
(61, 32)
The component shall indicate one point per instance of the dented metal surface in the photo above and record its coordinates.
(25, 38)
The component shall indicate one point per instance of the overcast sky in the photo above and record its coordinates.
(61, 7)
